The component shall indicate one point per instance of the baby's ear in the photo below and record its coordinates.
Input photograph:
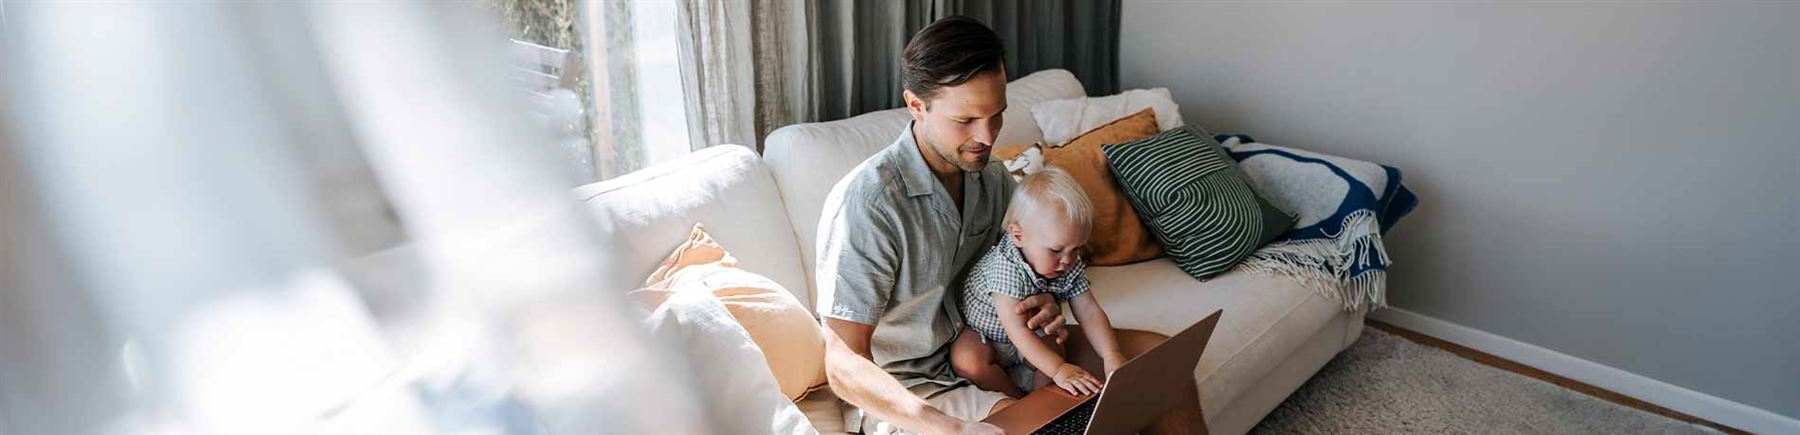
(1015, 232)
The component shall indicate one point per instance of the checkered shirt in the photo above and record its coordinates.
(1003, 270)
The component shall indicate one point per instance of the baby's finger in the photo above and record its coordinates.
(1075, 389)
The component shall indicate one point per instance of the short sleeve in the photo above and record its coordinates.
(996, 274)
(858, 258)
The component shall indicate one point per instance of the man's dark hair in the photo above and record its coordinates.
(947, 53)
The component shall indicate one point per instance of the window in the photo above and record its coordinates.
(629, 82)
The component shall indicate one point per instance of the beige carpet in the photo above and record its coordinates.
(1387, 384)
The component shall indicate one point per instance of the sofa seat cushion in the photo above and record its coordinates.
(1266, 318)
(644, 215)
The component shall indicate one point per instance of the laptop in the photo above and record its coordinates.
(1132, 398)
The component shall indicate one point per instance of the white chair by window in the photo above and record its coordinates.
(548, 76)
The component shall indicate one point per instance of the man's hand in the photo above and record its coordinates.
(1047, 316)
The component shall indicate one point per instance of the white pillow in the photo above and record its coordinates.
(727, 366)
(1064, 120)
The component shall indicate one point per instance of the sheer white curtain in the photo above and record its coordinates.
(746, 69)
(717, 85)
(286, 217)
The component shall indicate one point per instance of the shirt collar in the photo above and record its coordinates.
(914, 173)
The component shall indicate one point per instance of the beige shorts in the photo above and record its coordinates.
(965, 402)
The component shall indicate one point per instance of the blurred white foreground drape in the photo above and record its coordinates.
(281, 217)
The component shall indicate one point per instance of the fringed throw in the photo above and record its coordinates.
(1344, 206)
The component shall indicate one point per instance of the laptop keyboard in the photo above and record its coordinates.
(1073, 422)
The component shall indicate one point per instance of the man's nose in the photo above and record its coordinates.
(987, 134)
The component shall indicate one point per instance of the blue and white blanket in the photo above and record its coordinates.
(1344, 207)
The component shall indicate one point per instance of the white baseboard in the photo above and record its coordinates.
(1695, 403)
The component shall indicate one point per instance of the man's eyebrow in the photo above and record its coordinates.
(1003, 108)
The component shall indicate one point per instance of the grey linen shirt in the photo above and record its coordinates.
(893, 251)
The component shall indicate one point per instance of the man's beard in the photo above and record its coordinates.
(953, 160)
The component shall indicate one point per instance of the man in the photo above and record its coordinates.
(899, 233)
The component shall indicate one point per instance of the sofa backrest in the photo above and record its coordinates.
(808, 159)
(645, 214)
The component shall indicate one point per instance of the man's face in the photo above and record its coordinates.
(959, 124)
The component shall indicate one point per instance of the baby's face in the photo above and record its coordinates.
(1050, 245)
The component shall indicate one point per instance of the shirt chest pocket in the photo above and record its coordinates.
(978, 236)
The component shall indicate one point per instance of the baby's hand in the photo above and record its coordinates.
(1075, 380)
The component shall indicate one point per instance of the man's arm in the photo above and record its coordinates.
(855, 379)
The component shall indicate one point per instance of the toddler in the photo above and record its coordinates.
(1046, 225)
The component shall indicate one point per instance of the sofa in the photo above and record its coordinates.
(1273, 336)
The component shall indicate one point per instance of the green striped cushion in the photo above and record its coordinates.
(1195, 200)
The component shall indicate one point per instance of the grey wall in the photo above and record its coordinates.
(1612, 181)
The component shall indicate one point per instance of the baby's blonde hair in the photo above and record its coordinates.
(1051, 185)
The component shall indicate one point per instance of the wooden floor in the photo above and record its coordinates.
(1509, 365)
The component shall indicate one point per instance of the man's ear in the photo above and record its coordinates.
(914, 105)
